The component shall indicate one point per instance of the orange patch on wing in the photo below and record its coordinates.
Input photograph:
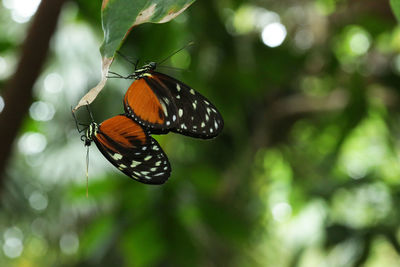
(121, 130)
(100, 137)
(144, 103)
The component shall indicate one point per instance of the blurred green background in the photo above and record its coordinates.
(305, 173)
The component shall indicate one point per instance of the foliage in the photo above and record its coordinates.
(305, 173)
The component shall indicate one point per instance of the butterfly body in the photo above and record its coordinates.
(162, 104)
(130, 149)
(143, 71)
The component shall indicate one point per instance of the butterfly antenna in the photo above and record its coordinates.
(76, 122)
(87, 172)
(128, 59)
(173, 68)
(177, 51)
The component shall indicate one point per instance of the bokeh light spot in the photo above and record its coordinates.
(39, 226)
(2, 104)
(69, 243)
(22, 10)
(281, 211)
(32, 143)
(12, 246)
(41, 111)
(38, 201)
(3, 67)
(273, 34)
(359, 43)
(304, 39)
(53, 83)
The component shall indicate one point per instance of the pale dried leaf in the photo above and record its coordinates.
(92, 94)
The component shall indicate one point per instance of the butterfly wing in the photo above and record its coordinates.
(125, 144)
(150, 105)
(183, 109)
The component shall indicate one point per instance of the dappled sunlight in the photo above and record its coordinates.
(12, 244)
(32, 143)
(273, 34)
(2, 104)
(41, 111)
(22, 10)
(305, 172)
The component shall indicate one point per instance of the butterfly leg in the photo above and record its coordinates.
(117, 75)
(76, 122)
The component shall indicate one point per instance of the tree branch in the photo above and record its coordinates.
(18, 91)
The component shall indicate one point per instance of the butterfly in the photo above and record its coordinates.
(129, 148)
(161, 104)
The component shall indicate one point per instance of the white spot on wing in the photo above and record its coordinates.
(164, 108)
(192, 91)
(194, 105)
(178, 87)
(117, 156)
(180, 112)
(178, 97)
(147, 158)
(158, 163)
(203, 124)
(207, 118)
(135, 163)
(174, 118)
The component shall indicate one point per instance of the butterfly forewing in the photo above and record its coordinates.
(183, 109)
(151, 110)
(125, 144)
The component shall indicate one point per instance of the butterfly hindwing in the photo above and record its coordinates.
(182, 108)
(196, 115)
(125, 144)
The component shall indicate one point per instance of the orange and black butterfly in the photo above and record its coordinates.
(161, 104)
(129, 148)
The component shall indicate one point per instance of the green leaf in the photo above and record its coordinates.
(120, 16)
(395, 4)
(118, 19)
